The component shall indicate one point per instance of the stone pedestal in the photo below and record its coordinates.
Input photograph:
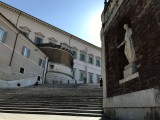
(130, 69)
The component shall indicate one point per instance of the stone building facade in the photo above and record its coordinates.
(137, 96)
(19, 58)
(87, 57)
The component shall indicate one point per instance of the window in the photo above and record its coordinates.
(21, 70)
(98, 62)
(82, 75)
(51, 66)
(41, 63)
(38, 40)
(98, 78)
(3, 35)
(25, 51)
(91, 77)
(82, 57)
(90, 60)
(74, 53)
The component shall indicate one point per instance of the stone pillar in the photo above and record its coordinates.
(103, 63)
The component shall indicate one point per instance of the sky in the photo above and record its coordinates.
(81, 18)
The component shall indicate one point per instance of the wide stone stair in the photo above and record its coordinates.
(72, 100)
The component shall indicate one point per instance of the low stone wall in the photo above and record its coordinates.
(141, 105)
(14, 83)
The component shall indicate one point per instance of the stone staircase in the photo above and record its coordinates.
(48, 99)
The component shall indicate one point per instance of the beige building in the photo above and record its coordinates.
(87, 57)
(19, 58)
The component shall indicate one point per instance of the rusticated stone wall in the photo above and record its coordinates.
(143, 16)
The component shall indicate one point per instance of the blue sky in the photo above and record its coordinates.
(81, 18)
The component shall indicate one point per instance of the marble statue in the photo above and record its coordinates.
(129, 48)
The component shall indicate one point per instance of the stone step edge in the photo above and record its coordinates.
(52, 113)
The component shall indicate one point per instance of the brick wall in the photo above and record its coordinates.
(143, 16)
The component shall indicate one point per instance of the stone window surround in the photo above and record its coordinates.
(25, 29)
(91, 56)
(74, 49)
(75, 55)
(81, 72)
(99, 62)
(52, 40)
(25, 51)
(84, 53)
(90, 76)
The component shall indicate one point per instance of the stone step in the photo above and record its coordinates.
(55, 107)
(51, 104)
(37, 96)
(55, 102)
(52, 113)
(52, 109)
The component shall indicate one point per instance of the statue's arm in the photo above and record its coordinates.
(121, 44)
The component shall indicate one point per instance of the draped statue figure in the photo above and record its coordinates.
(129, 48)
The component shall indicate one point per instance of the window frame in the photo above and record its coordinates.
(38, 38)
(90, 76)
(98, 64)
(81, 75)
(98, 76)
(74, 55)
(3, 37)
(84, 60)
(91, 62)
(25, 51)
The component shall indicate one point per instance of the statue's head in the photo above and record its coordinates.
(125, 26)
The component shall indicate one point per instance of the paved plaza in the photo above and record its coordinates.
(10, 116)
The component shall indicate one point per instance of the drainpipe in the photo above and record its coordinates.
(10, 63)
(70, 40)
(18, 18)
(45, 70)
